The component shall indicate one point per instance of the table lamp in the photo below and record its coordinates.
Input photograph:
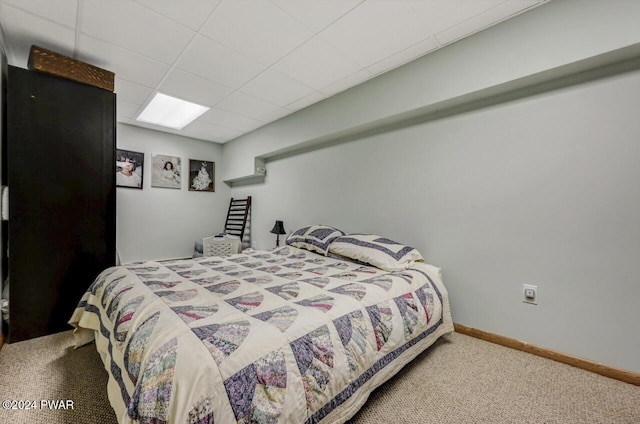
(278, 229)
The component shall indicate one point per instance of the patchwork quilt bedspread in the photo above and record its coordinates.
(287, 336)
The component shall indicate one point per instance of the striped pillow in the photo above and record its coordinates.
(315, 238)
(378, 251)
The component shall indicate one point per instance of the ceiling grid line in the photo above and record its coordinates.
(173, 65)
(253, 61)
(77, 37)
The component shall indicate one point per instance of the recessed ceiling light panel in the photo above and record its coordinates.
(168, 111)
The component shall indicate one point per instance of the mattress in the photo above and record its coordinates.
(286, 336)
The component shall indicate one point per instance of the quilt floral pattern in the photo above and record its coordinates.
(286, 336)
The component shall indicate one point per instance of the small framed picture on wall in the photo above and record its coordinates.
(166, 171)
(202, 175)
(129, 167)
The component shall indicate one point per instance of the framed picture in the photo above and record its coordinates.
(166, 171)
(129, 167)
(201, 175)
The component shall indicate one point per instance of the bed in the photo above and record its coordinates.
(284, 336)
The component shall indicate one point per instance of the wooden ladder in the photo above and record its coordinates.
(237, 216)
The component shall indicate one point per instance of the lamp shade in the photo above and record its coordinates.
(278, 228)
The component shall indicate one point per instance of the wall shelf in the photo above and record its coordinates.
(612, 63)
(256, 178)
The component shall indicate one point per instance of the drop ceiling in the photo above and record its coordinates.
(251, 61)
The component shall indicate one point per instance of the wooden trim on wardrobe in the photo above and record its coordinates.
(585, 364)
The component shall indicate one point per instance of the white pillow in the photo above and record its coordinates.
(378, 251)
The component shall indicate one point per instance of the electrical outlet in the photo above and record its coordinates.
(530, 294)
(254, 245)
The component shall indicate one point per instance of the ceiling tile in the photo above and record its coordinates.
(192, 16)
(193, 88)
(307, 100)
(347, 82)
(257, 29)
(484, 20)
(440, 15)
(255, 60)
(316, 15)
(126, 109)
(276, 88)
(131, 92)
(133, 121)
(23, 30)
(246, 105)
(276, 114)
(63, 12)
(231, 120)
(404, 56)
(206, 131)
(125, 63)
(131, 25)
(375, 30)
(218, 63)
(317, 64)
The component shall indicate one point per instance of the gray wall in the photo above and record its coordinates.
(540, 190)
(543, 190)
(162, 223)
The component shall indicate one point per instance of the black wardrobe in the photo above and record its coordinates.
(59, 159)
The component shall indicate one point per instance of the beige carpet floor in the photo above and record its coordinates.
(458, 380)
